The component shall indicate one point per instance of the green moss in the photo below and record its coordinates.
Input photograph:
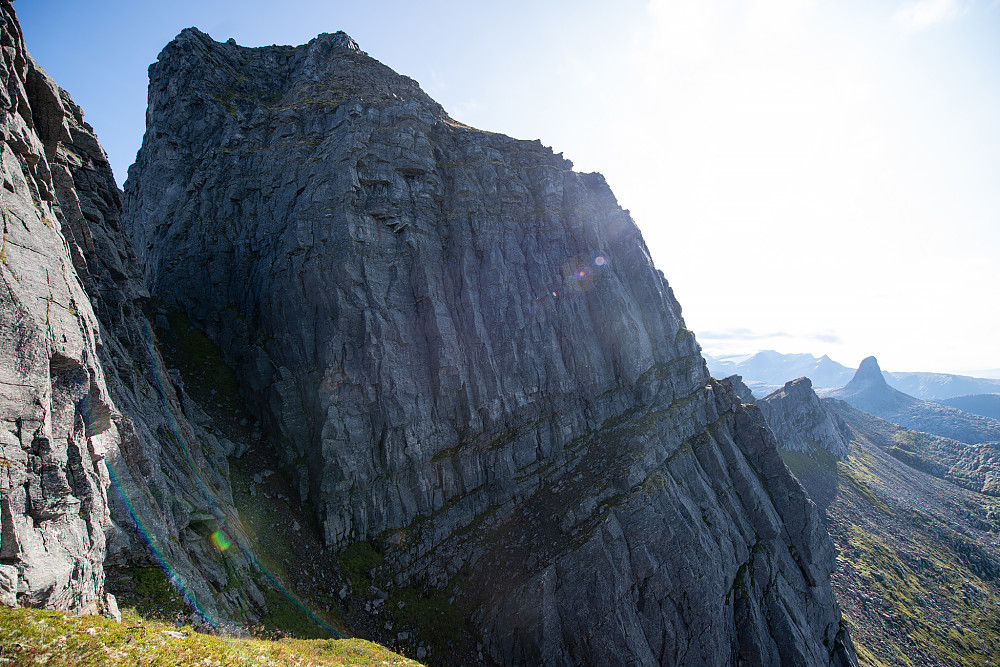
(857, 474)
(971, 628)
(655, 481)
(357, 561)
(440, 622)
(149, 590)
(58, 639)
(207, 377)
(802, 462)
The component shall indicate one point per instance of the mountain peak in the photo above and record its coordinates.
(869, 391)
(339, 38)
(869, 363)
(869, 373)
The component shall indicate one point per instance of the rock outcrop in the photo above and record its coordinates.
(55, 409)
(868, 391)
(468, 361)
(101, 465)
(800, 421)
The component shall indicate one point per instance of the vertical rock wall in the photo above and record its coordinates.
(468, 359)
(92, 428)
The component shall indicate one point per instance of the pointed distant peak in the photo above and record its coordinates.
(869, 368)
(868, 378)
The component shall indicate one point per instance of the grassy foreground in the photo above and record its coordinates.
(37, 637)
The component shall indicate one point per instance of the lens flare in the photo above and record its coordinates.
(220, 541)
(219, 538)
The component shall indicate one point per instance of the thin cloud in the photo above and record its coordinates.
(740, 334)
(743, 334)
(922, 14)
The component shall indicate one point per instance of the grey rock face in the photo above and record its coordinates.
(468, 359)
(800, 421)
(91, 428)
(54, 403)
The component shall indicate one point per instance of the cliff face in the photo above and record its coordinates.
(55, 410)
(800, 421)
(101, 465)
(469, 361)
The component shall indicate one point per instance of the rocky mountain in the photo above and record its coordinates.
(470, 366)
(103, 467)
(470, 381)
(869, 392)
(915, 520)
(917, 574)
(801, 423)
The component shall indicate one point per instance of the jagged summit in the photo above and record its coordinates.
(325, 39)
(337, 39)
(800, 422)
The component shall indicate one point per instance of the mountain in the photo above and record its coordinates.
(420, 380)
(768, 370)
(917, 574)
(987, 405)
(800, 422)
(936, 386)
(869, 392)
(914, 517)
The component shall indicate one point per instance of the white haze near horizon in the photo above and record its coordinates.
(810, 175)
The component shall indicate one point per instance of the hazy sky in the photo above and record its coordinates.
(811, 175)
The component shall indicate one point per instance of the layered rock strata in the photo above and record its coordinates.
(469, 361)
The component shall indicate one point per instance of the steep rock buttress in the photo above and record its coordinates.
(471, 363)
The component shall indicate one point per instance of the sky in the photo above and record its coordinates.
(815, 176)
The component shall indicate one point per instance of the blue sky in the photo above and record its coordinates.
(811, 175)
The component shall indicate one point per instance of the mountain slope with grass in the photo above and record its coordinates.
(918, 570)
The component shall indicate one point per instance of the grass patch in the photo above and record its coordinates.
(149, 590)
(286, 618)
(357, 561)
(58, 639)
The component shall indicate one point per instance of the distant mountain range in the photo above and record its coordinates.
(767, 371)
